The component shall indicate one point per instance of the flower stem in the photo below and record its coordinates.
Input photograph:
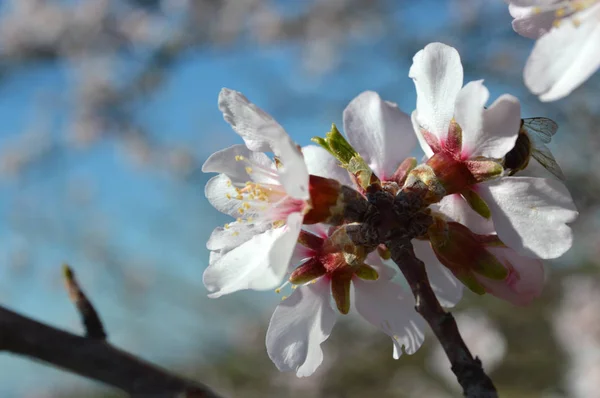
(468, 369)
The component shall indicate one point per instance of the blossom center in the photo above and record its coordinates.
(262, 197)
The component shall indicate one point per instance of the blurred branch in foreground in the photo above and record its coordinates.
(91, 356)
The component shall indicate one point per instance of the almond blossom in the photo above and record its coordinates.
(305, 319)
(567, 50)
(464, 142)
(520, 278)
(268, 199)
(393, 141)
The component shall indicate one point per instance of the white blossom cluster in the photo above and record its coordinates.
(494, 223)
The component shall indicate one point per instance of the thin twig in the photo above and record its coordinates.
(468, 369)
(94, 359)
(394, 221)
(89, 316)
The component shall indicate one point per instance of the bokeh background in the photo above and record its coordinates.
(108, 109)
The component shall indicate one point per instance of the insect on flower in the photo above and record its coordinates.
(534, 133)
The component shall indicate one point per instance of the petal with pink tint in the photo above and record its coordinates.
(524, 282)
(438, 77)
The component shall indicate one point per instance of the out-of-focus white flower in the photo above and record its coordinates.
(305, 319)
(481, 336)
(577, 328)
(577, 319)
(268, 200)
(567, 50)
(462, 138)
(583, 376)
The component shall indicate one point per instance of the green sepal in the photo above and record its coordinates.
(477, 203)
(469, 280)
(367, 273)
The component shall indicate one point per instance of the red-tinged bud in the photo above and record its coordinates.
(453, 142)
(384, 252)
(464, 252)
(310, 270)
(309, 240)
(484, 170)
(452, 174)
(326, 201)
(401, 173)
(340, 289)
(422, 179)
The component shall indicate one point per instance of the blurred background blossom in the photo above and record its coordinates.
(109, 110)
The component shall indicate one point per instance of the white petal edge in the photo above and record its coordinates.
(260, 263)
(456, 208)
(446, 287)
(387, 306)
(225, 161)
(379, 131)
(262, 133)
(438, 76)
(257, 128)
(531, 215)
(488, 132)
(321, 163)
(563, 59)
(530, 23)
(422, 142)
(298, 326)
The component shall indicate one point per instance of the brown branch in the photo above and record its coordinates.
(468, 370)
(91, 321)
(92, 358)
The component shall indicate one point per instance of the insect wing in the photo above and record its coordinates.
(542, 154)
(540, 127)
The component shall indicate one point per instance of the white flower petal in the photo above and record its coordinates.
(488, 132)
(456, 208)
(531, 214)
(221, 194)
(529, 22)
(422, 142)
(293, 173)
(564, 58)
(438, 76)
(446, 287)
(255, 126)
(260, 263)
(387, 306)
(262, 133)
(234, 234)
(224, 161)
(386, 271)
(321, 163)
(298, 327)
(379, 131)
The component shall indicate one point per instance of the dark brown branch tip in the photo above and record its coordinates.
(91, 321)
